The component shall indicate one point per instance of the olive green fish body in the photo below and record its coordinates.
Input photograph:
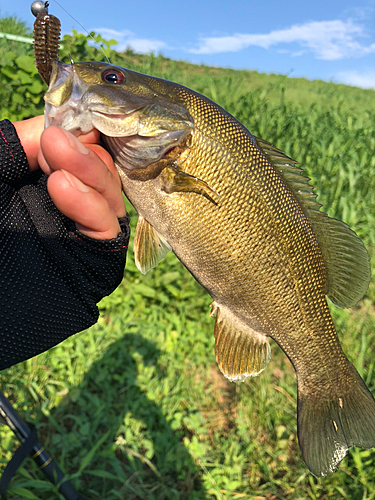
(229, 247)
(243, 219)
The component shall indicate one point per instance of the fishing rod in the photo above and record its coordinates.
(26, 434)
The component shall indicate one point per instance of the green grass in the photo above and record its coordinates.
(135, 407)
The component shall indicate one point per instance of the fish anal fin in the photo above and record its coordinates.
(345, 257)
(149, 246)
(240, 351)
(328, 426)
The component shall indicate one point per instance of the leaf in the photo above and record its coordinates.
(8, 58)
(27, 64)
(341, 491)
(103, 473)
(23, 493)
(170, 277)
(144, 290)
(91, 453)
(10, 72)
(17, 99)
(36, 87)
(24, 77)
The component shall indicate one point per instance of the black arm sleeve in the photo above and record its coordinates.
(51, 275)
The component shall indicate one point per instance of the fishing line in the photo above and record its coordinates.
(89, 34)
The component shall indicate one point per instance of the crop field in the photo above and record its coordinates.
(135, 407)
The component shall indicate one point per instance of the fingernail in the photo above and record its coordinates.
(75, 143)
(76, 183)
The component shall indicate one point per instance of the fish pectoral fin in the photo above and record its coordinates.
(174, 180)
(240, 350)
(150, 247)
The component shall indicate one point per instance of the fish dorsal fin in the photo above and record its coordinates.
(345, 257)
(294, 176)
(149, 246)
(240, 351)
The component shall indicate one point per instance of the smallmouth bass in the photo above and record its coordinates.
(243, 219)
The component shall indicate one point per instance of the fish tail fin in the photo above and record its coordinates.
(329, 425)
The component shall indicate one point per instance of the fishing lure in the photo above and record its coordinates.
(47, 30)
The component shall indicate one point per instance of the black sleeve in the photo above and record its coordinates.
(51, 275)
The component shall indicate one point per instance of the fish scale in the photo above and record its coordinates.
(243, 219)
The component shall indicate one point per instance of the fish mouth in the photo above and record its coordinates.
(63, 100)
(136, 152)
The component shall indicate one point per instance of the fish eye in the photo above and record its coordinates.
(113, 76)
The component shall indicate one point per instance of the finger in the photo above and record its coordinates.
(29, 132)
(92, 137)
(93, 215)
(61, 150)
(105, 157)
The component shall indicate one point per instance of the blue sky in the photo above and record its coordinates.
(329, 40)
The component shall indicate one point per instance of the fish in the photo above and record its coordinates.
(243, 219)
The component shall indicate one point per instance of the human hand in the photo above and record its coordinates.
(83, 181)
(39, 243)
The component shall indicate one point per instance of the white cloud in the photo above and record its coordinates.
(143, 45)
(298, 53)
(329, 40)
(365, 80)
(126, 39)
(108, 33)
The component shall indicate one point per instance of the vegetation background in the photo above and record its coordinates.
(135, 407)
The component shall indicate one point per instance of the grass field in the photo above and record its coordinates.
(135, 407)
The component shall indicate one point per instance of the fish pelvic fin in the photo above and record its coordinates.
(241, 351)
(150, 247)
(327, 427)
